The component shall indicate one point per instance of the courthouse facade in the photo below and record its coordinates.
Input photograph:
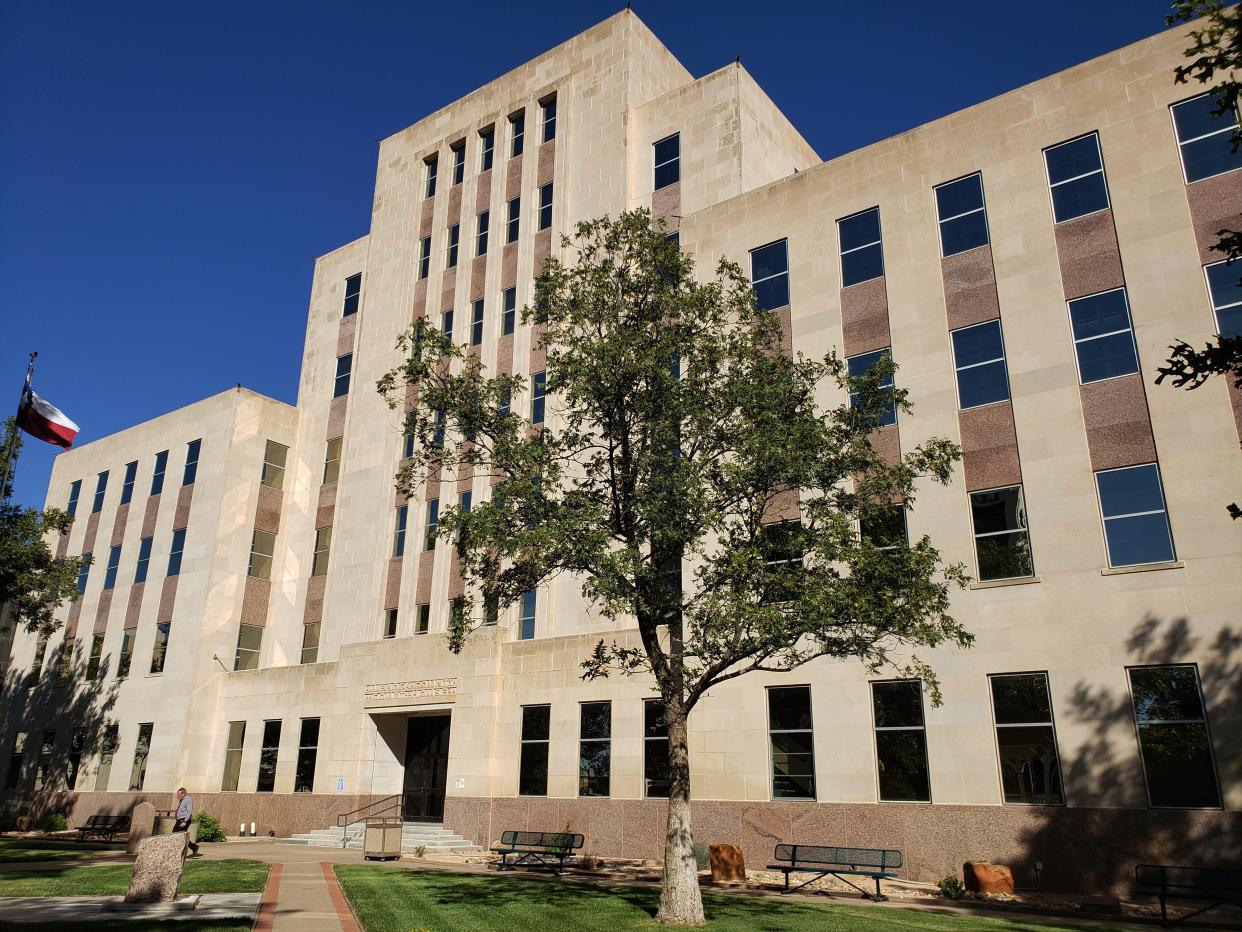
(263, 620)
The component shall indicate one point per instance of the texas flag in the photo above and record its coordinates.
(45, 421)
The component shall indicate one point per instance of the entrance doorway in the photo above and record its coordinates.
(426, 767)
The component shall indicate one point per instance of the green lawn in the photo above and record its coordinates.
(226, 876)
(18, 850)
(399, 900)
(181, 925)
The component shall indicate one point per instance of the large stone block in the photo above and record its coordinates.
(727, 863)
(982, 877)
(157, 872)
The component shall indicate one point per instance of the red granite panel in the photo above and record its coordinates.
(134, 606)
(336, 417)
(989, 447)
(102, 610)
(1117, 422)
(478, 275)
(325, 514)
(92, 530)
(267, 512)
(513, 178)
(1215, 205)
(783, 505)
(425, 217)
(970, 287)
(168, 596)
(181, 517)
(118, 525)
(864, 317)
(666, 205)
(149, 514)
(538, 352)
(75, 613)
(1088, 253)
(454, 205)
(392, 583)
(62, 544)
(508, 265)
(784, 318)
(887, 442)
(448, 288)
(426, 566)
(255, 597)
(504, 354)
(483, 192)
(345, 334)
(546, 168)
(543, 249)
(418, 304)
(314, 599)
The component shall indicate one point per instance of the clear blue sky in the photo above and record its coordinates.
(169, 170)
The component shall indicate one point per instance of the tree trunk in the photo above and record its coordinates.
(680, 901)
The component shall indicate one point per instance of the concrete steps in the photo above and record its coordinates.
(432, 837)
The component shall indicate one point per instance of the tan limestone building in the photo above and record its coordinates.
(263, 619)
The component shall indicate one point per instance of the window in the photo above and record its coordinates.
(432, 164)
(862, 254)
(533, 757)
(517, 133)
(547, 118)
(515, 215)
(108, 744)
(332, 460)
(142, 750)
(780, 543)
(308, 751)
(73, 764)
(1002, 542)
(269, 752)
(159, 650)
(1025, 739)
(446, 323)
(885, 527)
(43, 771)
(1173, 737)
(92, 663)
(476, 322)
(340, 385)
(310, 642)
(75, 491)
(101, 486)
(480, 236)
(144, 560)
(458, 151)
(595, 749)
(1205, 137)
(979, 357)
(191, 462)
(433, 515)
(900, 741)
(424, 257)
(390, 623)
(487, 148)
(510, 311)
(36, 665)
(506, 397)
(667, 161)
(1136, 525)
(1226, 291)
(157, 477)
(860, 366)
(454, 237)
(526, 620)
(84, 571)
(398, 535)
(249, 643)
(126, 654)
(655, 749)
(275, 455)
(323, 545)
(962, 215)
(792, 742)
(65, 665)
(769, 275)
(545, 206)
(538, 387)
(114, 563)
(262, 546)
(127, 487)
(233, 756)
(1103, 338)
(13, 780)
(464, 500)
(353, 294)
(175, 551)
(423, 619)
(407, 446)
(1076, 178)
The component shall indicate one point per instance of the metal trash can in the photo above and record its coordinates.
(382, 839)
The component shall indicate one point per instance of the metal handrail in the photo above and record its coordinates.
(389, 803)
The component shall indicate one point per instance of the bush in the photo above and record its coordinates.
(702, 860)
(209, 828)
(420, 851)
(54, 822)
(951, 888)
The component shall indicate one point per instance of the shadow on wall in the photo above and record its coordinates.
(1105, 841)
(65, 718)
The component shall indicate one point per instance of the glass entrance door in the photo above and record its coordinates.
(426, 767)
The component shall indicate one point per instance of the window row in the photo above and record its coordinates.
(188, 474)
(175, 551)
(516, 123)
(269, 756)
(482, 230)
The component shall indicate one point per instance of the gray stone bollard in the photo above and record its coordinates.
(141, 824)
(157, 872)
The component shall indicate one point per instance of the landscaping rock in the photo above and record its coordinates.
(982, 877)
(157, 872)
(727, 864)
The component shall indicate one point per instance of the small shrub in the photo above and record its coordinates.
(951, 888)
(563, 843)
(702, 860)
(420, 851)
(590, 862)
(54, 822)
(209, 828)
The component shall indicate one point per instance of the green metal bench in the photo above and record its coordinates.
(875, 863)
(1171, 881)
(537, 849)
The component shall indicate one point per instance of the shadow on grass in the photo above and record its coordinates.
(223, 876)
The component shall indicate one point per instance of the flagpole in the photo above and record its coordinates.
(10, 442)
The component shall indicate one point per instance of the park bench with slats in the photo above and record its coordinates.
(103, 826)
(1172, 881)
(875, 863)
(537, 849)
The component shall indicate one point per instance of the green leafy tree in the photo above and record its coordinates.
(33, 580)
(1216, 56)
(688, 476)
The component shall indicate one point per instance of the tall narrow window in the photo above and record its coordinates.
(538, 388)
(655, 749)
(1226, 289)
(901, 741)
(144, 560)
(157, 477)
(269, 752)
(526, 620)
(127, 486)
(233, 756)
(1205, 137)
(249, 644)
(547, 118)
(769, 275)
(545, 206)
(979, 357)
(962, 215)
(862, 252)
(454, 237)
(1025, 739)
(464, 500)
(96, 657)
(476, 322)
(792, 742)
(595, 749)
(108, 743)
(36, 664)
(458, 151)
(398, 534)
(390, 623)
(332, 460)
(159, 650)
(515, 216)
(433, 516)
(424, 257)
(667, 161)
(885, 527)
(432, 169)
(422, 618)
(1076, 178)
(73, 763)
(114, 563)
(533, 754)
(262, 546)
(64, 667)
(323, 546)
(84, 571)
(14, 778)
(43, 770)
(780, 543)
(1136, 524)
(1103, 337)
(353, 295)
(1002, 541)
(275, 455)
(487, 148)
(446, 323)
(142, 750)
(175, 551)
(190, 473)
(75, 492)
(407, 447)
(310, 642)
(126, 653)
(340, 384)
(101, 486)
(509, 320)
(480, 236)
(860, 366)
(1173, 737)
(308, 752)
(517, 133)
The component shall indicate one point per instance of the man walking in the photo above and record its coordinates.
(185, 814)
